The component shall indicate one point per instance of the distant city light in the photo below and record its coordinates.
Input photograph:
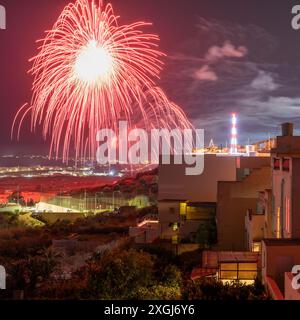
(111, 173)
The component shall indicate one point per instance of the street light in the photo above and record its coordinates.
(114, 198)
(96, 199)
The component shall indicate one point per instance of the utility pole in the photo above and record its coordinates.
(113, 200)
(96, 202)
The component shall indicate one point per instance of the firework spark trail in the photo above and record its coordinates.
(90, 73)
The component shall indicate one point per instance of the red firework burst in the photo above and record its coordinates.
(90, 72)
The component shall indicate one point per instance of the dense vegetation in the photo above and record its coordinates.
(37, 270)
(121, 273)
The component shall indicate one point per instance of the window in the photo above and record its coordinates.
(244, 271)
(286, 164)
(175, 226)
(287, 215)
(247, 275)
(183, 208)
(278, 226)
(228, 271)
(256, 247)
(276, 164)
(174, 239)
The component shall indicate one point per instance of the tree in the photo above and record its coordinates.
(119, 274)
(169, 276)
(16, 197)
(206, 234)
(158, 292)
(27, 273)
(30, 203)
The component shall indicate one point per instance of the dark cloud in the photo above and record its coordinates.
(223, 56)
(228, 67)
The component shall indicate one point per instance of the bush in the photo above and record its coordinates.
(158, 292)
(27, 274)
(119, 274)
(170, 276)
(64, 290)
(211, 289)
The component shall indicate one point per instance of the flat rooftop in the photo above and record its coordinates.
(282, 242)
(212, 259)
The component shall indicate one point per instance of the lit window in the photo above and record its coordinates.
(256, 247)
(182, 208)
(229, 275)
(287, 214)
(174, 239)
(248, 266)
(278, 223)
(242, 271)
(175, 226)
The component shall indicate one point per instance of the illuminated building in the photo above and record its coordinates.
(280, 242)
(192, 200)
(237, 198)
(189, 200)
(285, 161)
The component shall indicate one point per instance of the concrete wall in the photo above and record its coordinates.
(234, 199)
(143, 235)
(52, 217)
(173, 182)
(268, 225)
(168, 213)
(279, 259)
(286, 188)
(289, 292)
(189, 229)
(295, 221)
(281, 186)
(253, 162)
(255, 229)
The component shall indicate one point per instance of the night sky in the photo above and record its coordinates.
(223, 56)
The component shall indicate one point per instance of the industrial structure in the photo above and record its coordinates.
(233, 141)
